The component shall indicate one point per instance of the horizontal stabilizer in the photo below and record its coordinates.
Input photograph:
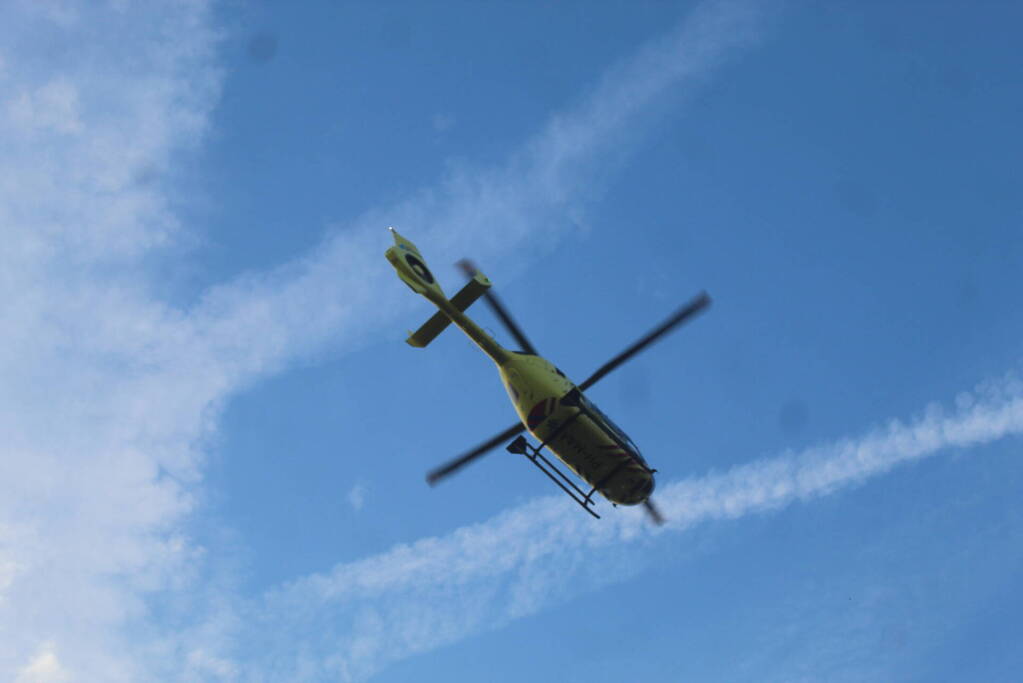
(439, 322)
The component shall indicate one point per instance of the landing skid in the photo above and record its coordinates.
(535, 456)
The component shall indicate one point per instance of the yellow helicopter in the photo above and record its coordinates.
(550, 406)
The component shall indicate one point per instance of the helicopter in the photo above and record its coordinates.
(551, 407)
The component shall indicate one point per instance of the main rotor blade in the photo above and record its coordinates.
(451, 467)
(680, 316)
(655, 515)
(470, 269)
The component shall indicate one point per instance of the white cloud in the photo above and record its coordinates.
(100, 427)
(110, 391)
(53, 106)
(438, 590)
(486, 212)
(43, 668)
(357, 496)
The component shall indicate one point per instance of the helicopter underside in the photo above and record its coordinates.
(555, 412)
(593, 452)
(551, 407)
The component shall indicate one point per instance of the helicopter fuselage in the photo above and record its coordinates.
(555, 412)
(565, 421)
(550, 406)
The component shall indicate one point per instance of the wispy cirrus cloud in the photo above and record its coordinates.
(110, 390)
(361, 615)
(97, 102)
(544, 186)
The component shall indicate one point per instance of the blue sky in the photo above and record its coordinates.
(217, 436)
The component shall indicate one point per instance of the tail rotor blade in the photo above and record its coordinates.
(470, 269)
(461, 461)
(680, 316)
(655, 515)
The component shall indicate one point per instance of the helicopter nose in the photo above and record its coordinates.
(648, 488)
(641, 490)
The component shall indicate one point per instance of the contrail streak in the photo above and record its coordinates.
(328, 296)
(414, 598)
(993, 411)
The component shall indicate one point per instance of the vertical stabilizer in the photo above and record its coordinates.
(412, 269)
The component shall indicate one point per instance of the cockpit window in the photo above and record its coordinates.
(592, 408)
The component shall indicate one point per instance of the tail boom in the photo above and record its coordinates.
(440, 321)
(412, 269)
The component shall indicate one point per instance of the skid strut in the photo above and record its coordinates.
(534, 455)
(520, 445)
